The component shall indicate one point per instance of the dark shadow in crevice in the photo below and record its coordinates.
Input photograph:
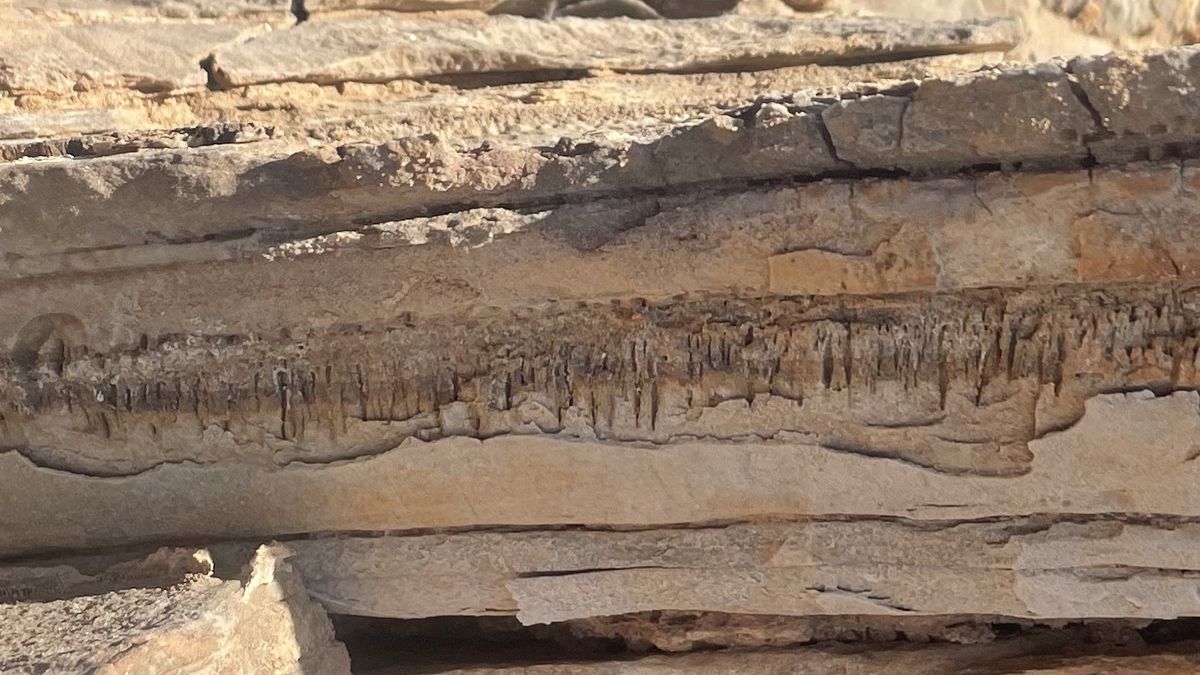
(439, 644)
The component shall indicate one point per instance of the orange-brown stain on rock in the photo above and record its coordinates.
(897, 266)
(1105, 252)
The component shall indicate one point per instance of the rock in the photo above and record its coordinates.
(926, 660)
(1156, 93)
(144, 56)
(1048, 34)
(383, 48)
(264, 624)
(795, 479)
(654, 326)
(940, 121)
(277, 12)
(272, 190)
(1030, 568)
(607, 9)
(1134, 21)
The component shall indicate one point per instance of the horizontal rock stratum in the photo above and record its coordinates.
(600, 325)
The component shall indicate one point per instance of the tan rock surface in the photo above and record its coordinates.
(644, 323)
(1034, 569)
(239, 195)
(382, 48)
(515, 480)
(197, 623)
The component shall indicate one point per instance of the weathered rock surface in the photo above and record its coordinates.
(1033, 568)
(154, 57)
(530, 481)
(192, 623)
(381, 48)
(1134, 20)
(242, 197)
(1017, 656)
(643, 323)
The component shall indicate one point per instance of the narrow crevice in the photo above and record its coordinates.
(1100, 131)
(546, 574)
(818, 117)
(1101, 128)
(439, 644)
(1165, 632)
(299, 11)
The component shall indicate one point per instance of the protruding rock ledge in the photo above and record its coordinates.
(540, 481)
(1027, 568)
(383, 48)
(198, 623)
(1026, 118)
(867, 237)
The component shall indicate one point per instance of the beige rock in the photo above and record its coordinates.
(383, 48)
(1100, 465)
(836, 237)
(100, 211)
(533, 112)
(264, 624)
(149, 56)
(1048, 33)
(744, 330)
(1021, 568)
(164, 568)
(91, 11)
(938, 122)
(1134, 22)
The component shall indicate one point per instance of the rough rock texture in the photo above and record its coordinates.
(661, 325)
(166, 615)
(1142, 20)
(386, 49)
(1019, 656)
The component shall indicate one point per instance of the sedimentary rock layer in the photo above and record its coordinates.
(170, 55)
(785, 426)
(382, 48)
(537, 112)
(162, 206)
(1023, 568)
(1031, 654)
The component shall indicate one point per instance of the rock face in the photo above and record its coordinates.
(658, 324)
(926, 661)
(169, 615)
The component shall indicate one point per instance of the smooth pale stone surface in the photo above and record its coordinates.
(1102, 464)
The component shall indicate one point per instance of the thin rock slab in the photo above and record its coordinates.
(146, 56)
(1101, 464)
(384, 48)
(281, 191)
(1035, 568)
